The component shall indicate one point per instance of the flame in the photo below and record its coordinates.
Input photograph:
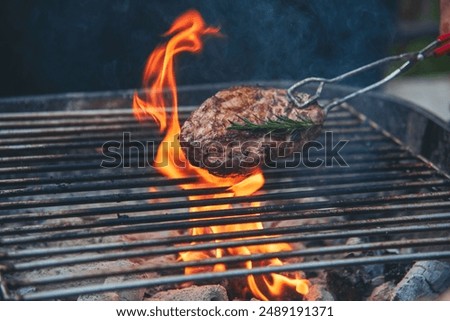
(159, 79)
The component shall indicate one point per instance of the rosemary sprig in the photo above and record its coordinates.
(280, 125)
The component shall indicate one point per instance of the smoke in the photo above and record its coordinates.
(54, 46)
(271, 40)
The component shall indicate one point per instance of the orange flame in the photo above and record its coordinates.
(159, 80)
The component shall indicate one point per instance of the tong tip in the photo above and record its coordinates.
(302, 100)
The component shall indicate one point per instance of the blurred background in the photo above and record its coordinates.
(428, 83)
(53, 46)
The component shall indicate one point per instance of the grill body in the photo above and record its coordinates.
(70, 222)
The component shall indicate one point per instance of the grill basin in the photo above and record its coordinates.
(69, 224)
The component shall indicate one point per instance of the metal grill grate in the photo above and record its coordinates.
(67, 223)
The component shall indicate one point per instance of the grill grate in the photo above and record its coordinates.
(67, 223)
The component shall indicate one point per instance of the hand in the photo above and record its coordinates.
(445, 17)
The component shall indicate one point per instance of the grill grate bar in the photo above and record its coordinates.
(337, 189)
(145, 132)
(339, 230)
(115, 127)
(44, 120)
(42, 144)
(136, 136)
(354, 160)
(332, 190)
(9, 133)
(59, 146)
(349, 150)
(37, 141)
(328, 250)
(55, 123)
(372, 166)
(322, 180)
(113, 112)
(240, 217)
(186, 239)
(178, 279)
(118, 113)
(317, 173)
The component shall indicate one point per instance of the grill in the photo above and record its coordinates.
(72, 227)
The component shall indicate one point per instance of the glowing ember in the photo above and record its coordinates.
(159, 78)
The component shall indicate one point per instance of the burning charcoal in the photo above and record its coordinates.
(319, 292)
(425, 280)
(382, 292)
(355, 241)
(126, 295)
(353, 283)
(106, 296)
(374, 272)
(396, 272)
(193, 293)
(348, 284)
(445, 296)
(364, 240)
(26, 290)
(378, 280)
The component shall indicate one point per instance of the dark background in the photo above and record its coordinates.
(69, 46)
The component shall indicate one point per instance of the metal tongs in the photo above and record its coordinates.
(439, 47)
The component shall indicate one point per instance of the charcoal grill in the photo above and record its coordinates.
(69, 224)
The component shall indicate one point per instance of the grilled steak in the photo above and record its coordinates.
(209, 143)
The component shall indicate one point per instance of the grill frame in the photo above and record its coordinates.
(406, 131)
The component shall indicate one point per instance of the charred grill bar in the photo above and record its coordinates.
(67, 223)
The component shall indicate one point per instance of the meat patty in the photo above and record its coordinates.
(209, 143)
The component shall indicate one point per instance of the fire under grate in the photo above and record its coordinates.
(71, 228)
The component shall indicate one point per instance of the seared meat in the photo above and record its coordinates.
(209, 143)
